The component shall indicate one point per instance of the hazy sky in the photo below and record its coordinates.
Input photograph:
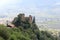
(38, 8)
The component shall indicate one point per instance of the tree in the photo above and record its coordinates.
(34, 19)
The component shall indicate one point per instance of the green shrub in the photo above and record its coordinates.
(1, 38)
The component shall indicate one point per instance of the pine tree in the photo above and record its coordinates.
(34, 19)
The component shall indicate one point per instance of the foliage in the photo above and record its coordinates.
(20, 33)
(44, 35)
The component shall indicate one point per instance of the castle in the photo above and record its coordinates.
(23, 20)
(27, 19)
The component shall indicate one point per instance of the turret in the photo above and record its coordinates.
(30, 19)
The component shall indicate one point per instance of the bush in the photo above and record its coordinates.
(1, 38)
(4, 33)
(44, 35)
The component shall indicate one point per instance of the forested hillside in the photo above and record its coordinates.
(24, 30)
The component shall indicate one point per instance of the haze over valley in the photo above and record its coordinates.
(42, 22)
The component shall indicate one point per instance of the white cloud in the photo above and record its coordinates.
(27, 8)
(58, 3)
(4, 3)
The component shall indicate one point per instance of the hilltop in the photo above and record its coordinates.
(25, 28)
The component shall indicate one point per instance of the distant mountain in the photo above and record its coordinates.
(3, 16)
(44, 19)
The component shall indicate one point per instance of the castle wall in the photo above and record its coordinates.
(23, 18)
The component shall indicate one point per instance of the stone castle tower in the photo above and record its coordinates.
(30, 19)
